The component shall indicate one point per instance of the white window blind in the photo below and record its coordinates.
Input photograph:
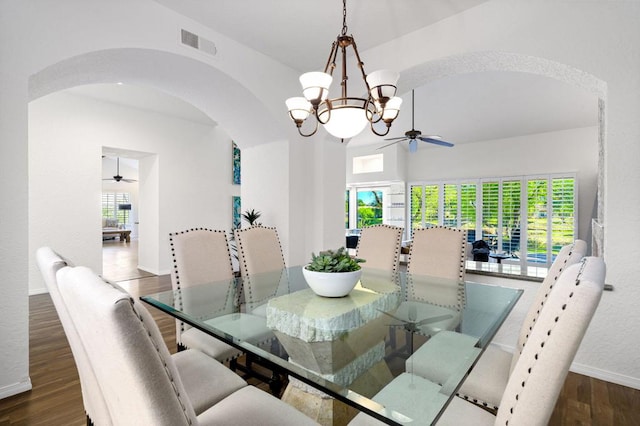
(110, 202)
(511, 212)
(530, 218)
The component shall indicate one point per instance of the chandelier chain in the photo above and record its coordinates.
(344, 17)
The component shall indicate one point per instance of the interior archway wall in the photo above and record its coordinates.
(512, 62)
(199, 84)
(217, 94)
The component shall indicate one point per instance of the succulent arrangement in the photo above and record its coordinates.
(334, 261)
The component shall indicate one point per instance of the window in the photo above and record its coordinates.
(530, 218)
(368, 164)
(369, 207)
(110, 203)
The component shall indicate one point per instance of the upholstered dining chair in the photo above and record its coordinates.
(262, 265)
(541, 369)
(487, 381)
(435, 279)
(49, 262)
(197, 372)
(200, 256)
(140, 381)
(379, 246)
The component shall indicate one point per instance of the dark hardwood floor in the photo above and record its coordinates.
(56, 397)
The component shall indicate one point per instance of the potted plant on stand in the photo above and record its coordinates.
(332, 273)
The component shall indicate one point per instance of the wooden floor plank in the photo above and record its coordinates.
(56, 398)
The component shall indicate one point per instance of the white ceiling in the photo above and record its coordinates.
(299, 33)
(461, 108)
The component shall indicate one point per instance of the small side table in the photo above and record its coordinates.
(499, 256)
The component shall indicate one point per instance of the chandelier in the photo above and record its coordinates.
(346, 116)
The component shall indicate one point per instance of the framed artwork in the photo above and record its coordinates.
(237, 216)
(236, 164)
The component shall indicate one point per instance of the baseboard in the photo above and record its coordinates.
(15, 389)
(596, 373)
(153, 270)
(35, 291)
(607, 376)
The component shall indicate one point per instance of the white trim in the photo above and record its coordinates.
(154, 271)
(36, 291)
(607, 376)
(15, 388)
(586, 370)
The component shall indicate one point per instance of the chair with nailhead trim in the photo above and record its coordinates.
(49, 263)
(200, 256)
(487, 381)
(539, 374)
(140, 380)
(262, 266)
(264, 276)
(435, 288)
(379, 246)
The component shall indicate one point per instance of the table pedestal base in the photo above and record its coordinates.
(328, 411)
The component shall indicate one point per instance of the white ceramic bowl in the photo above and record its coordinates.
(331, 284)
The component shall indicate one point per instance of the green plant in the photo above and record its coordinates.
(334, 261)
(252, 216)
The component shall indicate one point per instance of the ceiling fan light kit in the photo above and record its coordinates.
(346, 116)
(413, 135)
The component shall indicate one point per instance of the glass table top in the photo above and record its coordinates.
(397, 347)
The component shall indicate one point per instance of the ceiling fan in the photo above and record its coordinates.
(117, 177)
(413, 135)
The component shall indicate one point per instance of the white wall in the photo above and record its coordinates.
(185, 181)
(299, 188)
(394, 164)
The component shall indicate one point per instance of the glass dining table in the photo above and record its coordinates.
(356, 350)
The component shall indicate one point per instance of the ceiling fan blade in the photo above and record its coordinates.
(395, 139)
(128, 180)
(392, 143)
(435, 141)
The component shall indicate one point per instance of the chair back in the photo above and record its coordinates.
(379, 246)
(539, 375)
(568, 255)
(261, 263)
(199, 255)
(438, 252)
(133, 367)
(49, 263)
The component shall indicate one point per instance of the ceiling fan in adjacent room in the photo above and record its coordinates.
(117, 177)
(413, 135)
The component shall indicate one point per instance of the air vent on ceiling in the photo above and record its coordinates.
(202, 44)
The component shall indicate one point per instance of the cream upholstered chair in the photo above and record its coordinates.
(539, 373)
(197, 371)
(140, 381)
(200, 256)
(435, 279)
(49, 262)
(488, 379)
(262, 265)
(379, 246)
